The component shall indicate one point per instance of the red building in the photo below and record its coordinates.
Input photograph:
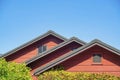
(51, 49)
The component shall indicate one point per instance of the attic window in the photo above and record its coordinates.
(73, 48)
(42, 48)
(97, 58)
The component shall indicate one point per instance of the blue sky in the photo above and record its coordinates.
(23, 20)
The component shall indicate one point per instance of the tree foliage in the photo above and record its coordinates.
(13, 71)
(64, 75)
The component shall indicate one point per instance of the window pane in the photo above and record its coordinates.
(42, 49)
(96, 58)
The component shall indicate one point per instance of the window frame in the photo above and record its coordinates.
(42, 47)
(99, 61)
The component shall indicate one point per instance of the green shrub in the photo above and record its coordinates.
(64, 75)
(13, 71)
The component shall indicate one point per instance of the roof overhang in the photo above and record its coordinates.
(77, 51)
(33, 41)
(73, 39)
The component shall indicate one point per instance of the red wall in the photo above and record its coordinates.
(32, 50)
(83, 62)
(42, 61)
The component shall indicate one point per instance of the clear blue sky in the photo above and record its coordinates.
(23, 20)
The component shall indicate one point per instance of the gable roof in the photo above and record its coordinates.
(50, 32)
(77, 51)
(73, 39)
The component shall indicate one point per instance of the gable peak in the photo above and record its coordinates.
(96, 41)
(77, 40)
(50, 31)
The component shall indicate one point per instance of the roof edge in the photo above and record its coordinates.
(77, 51)
(105, 44)
(50, 32)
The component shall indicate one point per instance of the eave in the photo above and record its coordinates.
(73, 39)
(77, 51)
(33, 41)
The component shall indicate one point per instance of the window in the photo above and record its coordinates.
(73, 48)
(42, 49)
(97, 58)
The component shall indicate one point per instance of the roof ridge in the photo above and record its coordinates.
(96, 40)
(77, 39)
(50, 31)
